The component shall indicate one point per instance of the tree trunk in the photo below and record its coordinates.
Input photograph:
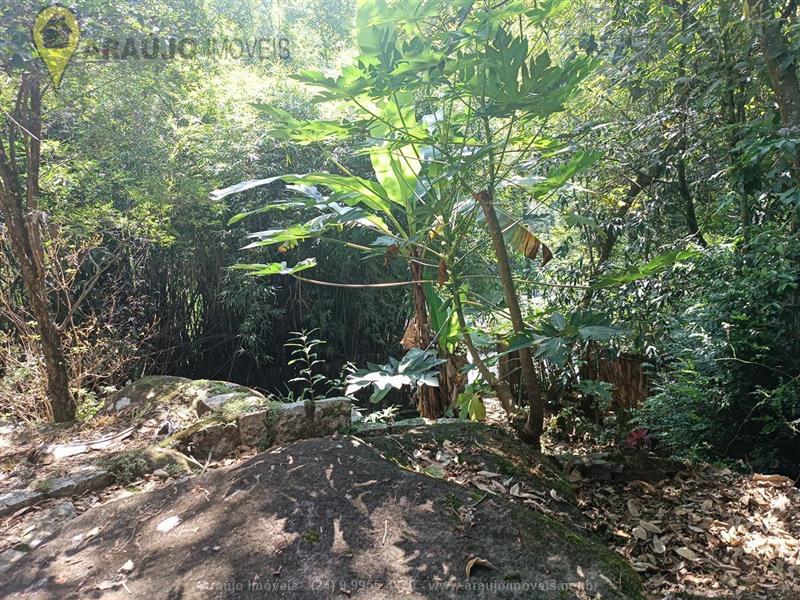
(24, 224)
(683, 146)
(781, 64)
(783, 75)
(785, 80)
(531, 432)
(688, 204)
(642, 181)
(500, 386)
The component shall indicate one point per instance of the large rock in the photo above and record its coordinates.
(8, 557)
(33, 530)
(13, 500)
(619, 467)
(214, 440)
(216, 436)
(43, 525)
(132, 464)
(204, 395)
(295, 421)
(85, 479)
(322, 518)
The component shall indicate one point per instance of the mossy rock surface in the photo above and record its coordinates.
(132, 464)
(203, 395)
(484, 448)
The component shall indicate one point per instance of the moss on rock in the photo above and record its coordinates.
(132, 464)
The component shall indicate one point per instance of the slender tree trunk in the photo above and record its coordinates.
(780, 60)
(734, 107)
(24, 224)
(688, 205)
(683, 147)
(532, 430)
(642, 181)
(500, 387)
(781, 64)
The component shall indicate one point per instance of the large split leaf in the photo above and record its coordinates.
(416, 368)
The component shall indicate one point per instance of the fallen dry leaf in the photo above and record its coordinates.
(658, 545)
(648, 526)
(127, 567)
(686, 553)
(478, 562)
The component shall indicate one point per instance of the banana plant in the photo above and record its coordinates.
(484, 88)
(399, 206)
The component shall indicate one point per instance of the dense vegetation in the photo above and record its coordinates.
(516, 190)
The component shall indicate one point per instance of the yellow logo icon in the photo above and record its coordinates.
(56, 35)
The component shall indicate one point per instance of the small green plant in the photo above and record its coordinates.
(310, 536)
(470, 405)
(305, 359)
(43, 485)
(127, 467)
(385, 415)
(416, 368)
(89, 404)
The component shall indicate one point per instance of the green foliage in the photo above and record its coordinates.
(732, 388)
(471, 406)
(384, 415)
(600, 389)
(559, 338)
(416, 368)
(305, 360)
(640, 165)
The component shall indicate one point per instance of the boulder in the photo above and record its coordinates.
(13, 500)
(8, 557)
(205, 395)
(295, 421)
(85, 479)
(619, 467)
(319, 518)
(33, 530)
(232, 402)
(215, 440)
(132, 464)
(46, 523)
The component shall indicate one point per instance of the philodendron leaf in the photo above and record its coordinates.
(268, 208)
(293, 233)
(416, 368)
